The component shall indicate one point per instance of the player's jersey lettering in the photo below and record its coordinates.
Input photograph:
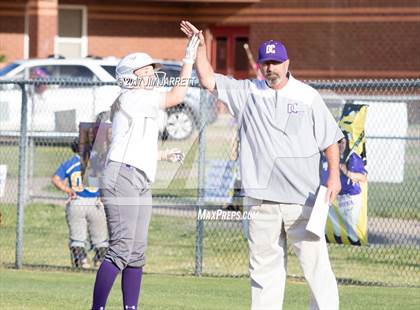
(76, 181)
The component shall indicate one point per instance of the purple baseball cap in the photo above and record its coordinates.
(272, 50)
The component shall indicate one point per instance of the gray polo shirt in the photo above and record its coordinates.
(282, 134)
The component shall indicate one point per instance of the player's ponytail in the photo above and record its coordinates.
(74, 145)
(115, 107)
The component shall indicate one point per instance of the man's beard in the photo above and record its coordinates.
(273, 78)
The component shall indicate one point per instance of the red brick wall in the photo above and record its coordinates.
(42, 19)
(11, 32)
(346, 49)
(325, 39)
(342, 39)
(160, 40)
(42, 31)
(346, 39)
(42, 28)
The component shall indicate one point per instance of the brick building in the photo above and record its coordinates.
(325, 38)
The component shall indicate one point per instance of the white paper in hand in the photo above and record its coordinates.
(318, 219)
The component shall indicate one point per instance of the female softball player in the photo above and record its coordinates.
(84, 211)
(131, 168)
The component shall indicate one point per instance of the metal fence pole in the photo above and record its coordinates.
(31, 156)
(30, 146)
(23, 141)
(199, 232)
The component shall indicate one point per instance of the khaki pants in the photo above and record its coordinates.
(269, 226)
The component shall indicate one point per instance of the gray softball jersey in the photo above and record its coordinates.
(282, 135)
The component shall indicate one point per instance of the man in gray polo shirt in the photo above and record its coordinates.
(284, 127)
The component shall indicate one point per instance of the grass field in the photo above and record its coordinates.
(42, 290)
(172, 248)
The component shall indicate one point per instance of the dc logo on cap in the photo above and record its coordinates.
(270, 49)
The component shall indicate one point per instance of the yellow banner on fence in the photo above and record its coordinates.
(347, 218)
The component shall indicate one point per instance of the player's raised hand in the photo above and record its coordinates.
(191, 50)
(189, 30)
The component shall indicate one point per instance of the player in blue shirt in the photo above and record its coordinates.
(84, 211)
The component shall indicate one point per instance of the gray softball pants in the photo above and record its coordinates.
(83, 215)
(127, 198)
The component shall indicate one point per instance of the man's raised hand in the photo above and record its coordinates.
(189, 30)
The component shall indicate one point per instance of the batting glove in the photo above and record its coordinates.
(191, 50)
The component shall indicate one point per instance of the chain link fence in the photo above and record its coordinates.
(39, 119)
